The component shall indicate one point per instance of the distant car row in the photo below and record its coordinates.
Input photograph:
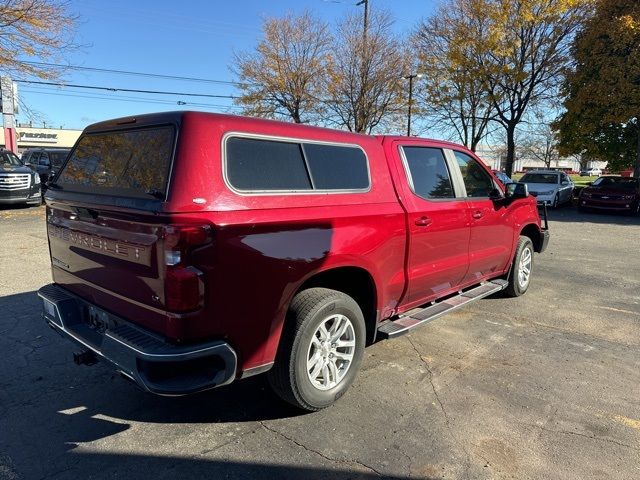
(554, 188)
(611, 193)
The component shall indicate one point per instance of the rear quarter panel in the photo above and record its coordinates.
(267, 245)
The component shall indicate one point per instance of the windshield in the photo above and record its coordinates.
(57, 158)
(540, 178)
(617, 182)
(133, 163)
(9, 159)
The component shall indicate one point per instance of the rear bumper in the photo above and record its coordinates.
(155, 365)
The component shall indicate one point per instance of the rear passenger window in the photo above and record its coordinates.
(266, 165)
(337, 168)
(477, 181)
(429, 176)
(270, 165)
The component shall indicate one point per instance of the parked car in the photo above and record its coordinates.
(221, 247)
(550, 187)
(590, 172)
(503, 177)
(47, 161)
(18, 182)
(612, 193)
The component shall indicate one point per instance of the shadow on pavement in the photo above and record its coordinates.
(87, 465)
(48, 406)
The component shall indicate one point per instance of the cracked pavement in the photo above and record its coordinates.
(543, 386)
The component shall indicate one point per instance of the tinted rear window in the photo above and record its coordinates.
(266, 165)
(128, 163)
(258, 165)
(337, 168)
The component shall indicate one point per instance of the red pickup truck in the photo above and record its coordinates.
(190, 249)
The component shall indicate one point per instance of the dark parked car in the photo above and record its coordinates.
(18, 182)
(612, 193)
(47, 161)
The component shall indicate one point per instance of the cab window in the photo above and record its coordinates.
(428, 173)
(477, 181)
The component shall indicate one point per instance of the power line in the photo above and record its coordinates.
(131, 90)
(141, 74)
(133, 99)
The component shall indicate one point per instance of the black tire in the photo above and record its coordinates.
(289, 376)
(556, 201)
(516, 287)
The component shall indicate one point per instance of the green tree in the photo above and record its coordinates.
(602, 118)
(522, 47)
(283, 77)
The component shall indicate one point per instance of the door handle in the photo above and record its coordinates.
(423, 221)
(477, 214)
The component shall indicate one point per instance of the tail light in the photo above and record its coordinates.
(184, 287)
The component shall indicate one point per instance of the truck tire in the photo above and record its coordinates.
(521, 268)
(320, 350)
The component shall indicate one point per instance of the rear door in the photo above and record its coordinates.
(438, 221)
(491, 234)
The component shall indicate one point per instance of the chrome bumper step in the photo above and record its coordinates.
(418, 317)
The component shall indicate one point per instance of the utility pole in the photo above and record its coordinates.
(410, 78)
(9, 95)
(366, 21)
(363, 88)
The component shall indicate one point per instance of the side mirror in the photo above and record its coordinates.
(565, 183)
(517, 190)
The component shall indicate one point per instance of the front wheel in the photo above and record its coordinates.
(320, 350)
(521, 269)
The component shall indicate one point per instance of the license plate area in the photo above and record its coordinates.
(97, 319)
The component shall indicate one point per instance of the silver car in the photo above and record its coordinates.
(549, 186)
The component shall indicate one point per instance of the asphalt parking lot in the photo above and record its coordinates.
(543, 386)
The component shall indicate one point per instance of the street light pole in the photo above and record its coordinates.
(410, 78)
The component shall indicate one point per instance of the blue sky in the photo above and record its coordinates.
(190, 39)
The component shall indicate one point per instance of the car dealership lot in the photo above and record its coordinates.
(542, 386)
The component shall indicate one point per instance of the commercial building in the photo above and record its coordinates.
(31, 137)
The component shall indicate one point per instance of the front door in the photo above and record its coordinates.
(491, 238)
(438, 223)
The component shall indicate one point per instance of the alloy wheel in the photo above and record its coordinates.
(331, 352)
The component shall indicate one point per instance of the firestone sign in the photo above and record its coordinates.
(39, 137)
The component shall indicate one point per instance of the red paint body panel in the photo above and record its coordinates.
(265, 246)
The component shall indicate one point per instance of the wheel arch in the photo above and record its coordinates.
(356, 282)
(532, 231)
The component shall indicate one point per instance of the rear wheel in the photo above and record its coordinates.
(320, 350)
(521, 269)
